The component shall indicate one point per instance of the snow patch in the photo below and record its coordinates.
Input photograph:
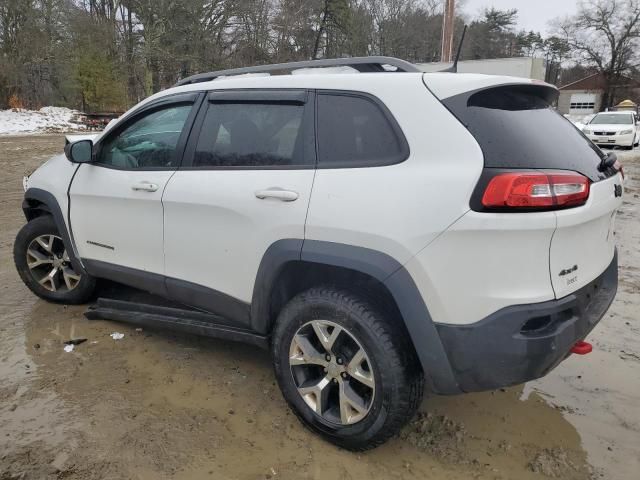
(579, 120)
(47, 119)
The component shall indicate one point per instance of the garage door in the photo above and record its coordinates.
(582, 103)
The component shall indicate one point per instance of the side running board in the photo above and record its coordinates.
(175, 319)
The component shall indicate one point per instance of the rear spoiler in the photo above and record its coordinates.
(446, 85)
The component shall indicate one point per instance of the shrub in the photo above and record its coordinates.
(15, 102)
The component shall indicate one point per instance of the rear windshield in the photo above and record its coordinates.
(517, 127)
(612, 119)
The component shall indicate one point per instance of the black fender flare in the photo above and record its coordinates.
(382, 267)
(53, 207)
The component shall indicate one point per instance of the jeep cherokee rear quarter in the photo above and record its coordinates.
(377, 229)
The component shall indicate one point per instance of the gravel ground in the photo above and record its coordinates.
(160, 405)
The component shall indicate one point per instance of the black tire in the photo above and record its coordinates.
(45, 225)
(398, 377)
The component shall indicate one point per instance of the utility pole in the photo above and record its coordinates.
(448, 15)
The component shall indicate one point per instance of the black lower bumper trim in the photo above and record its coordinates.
(524, 342)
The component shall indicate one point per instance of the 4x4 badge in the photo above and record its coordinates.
(567, 271)
(617, 190)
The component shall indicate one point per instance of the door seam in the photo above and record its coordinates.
(164, 259)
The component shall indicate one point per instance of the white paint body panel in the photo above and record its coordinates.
(76, 138)
(106, 210)
(585, 238)
(216, 230)
(54, 177)
(484, 262)
(399, 209)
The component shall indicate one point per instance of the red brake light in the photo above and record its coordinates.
(536, 190)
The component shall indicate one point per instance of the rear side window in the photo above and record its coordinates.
(517, 127)
(251, 135)
(356, 131)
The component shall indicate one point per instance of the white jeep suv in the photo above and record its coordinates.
(378, 230)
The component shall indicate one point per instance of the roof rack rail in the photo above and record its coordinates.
(362, 64)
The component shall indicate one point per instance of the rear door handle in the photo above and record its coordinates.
(278, 194)
(144, 187)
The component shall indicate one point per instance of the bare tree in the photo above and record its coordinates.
(604, 34)
(108, 54)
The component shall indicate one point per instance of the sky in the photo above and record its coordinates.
(532, 14)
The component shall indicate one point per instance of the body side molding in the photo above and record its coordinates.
(276, 257)
(194, 295)
(147, 281)
(234, 311)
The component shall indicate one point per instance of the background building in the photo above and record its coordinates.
(584, 96)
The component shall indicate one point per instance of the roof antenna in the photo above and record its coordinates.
(454, 68)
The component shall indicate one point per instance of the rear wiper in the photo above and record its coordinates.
(608, 161)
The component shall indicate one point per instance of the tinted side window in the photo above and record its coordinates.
(353, 131)
(251, 135)
(148, 142)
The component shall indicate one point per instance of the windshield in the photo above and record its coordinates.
(611, 119)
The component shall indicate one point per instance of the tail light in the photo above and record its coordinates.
(532, 190)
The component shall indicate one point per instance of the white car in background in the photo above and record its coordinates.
(613, 128)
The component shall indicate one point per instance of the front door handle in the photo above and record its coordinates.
(144, 187)
(278, 194)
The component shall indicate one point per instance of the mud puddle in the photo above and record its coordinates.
(159, 405)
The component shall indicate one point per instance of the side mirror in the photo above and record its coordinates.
(80, 151)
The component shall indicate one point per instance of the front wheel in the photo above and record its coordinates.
(43, 264)
(348, 373)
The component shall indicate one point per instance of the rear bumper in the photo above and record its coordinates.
(525, 342)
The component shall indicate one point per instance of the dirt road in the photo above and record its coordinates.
(159, 405)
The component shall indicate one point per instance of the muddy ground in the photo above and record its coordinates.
(160, 405)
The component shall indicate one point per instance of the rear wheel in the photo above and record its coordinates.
(344, 369)
(44, 265)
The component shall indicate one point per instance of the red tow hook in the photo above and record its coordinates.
(582, 348)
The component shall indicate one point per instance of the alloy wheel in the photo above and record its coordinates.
(332, 372)
(49, 264)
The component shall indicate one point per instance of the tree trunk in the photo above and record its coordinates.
(323, 22)
(155, 75)
(131, 71)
